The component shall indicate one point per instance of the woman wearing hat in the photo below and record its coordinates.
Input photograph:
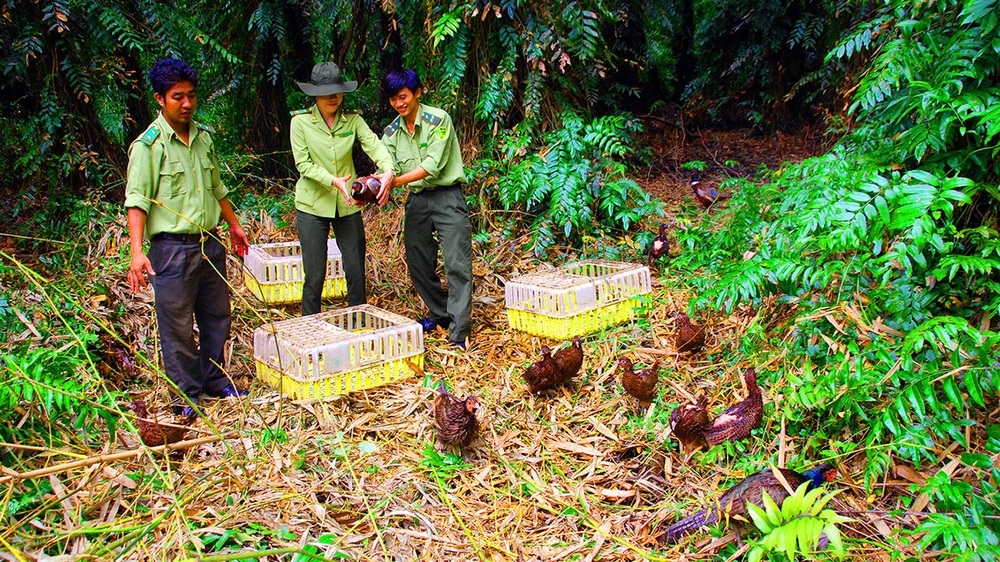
(322, 143)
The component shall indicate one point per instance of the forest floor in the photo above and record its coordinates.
(575, 474)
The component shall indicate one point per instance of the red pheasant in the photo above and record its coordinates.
(455, 418)
(691, 424)
(152, 432)
(706, 195)
(365, 189)
(542, 374)
(737, 421)
(569, 360)
(689, 336)
(640, 384)
(688, 423)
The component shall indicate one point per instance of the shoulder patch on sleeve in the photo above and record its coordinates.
(432, 119)
(298, 112)
(207, 128)
(150, 135)
(392, 128)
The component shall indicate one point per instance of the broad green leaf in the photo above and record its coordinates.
(759, 518)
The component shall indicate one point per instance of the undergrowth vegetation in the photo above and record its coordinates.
(885, 254)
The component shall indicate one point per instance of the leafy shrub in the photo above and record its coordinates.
(800, 526)
(58, 388)
(575, 184)
(881, 256)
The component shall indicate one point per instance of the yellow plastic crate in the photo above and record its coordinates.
(575, 299)
(291, 292)
(273, 272)
(337, 352)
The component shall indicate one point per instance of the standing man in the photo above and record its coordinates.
(423, 142)
(175, 196)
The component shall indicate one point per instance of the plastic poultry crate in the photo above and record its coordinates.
(336, 352)
(576, 299)
(274, 272)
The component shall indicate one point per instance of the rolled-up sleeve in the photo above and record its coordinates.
(303, 160)
(219, 189)
(139, 184)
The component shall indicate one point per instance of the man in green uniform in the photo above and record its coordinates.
(323, 144)
(175, 197)
(423, 142)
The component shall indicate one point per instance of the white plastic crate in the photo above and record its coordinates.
(336, 352)
(274, 272)
(575, 299)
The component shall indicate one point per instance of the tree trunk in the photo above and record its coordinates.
(268, 134)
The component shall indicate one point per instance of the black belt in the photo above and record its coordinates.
(189, 238)
(439, 189)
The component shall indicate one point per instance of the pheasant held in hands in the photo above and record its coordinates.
(365, 189)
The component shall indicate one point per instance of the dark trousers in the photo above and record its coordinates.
(191, 280)
(442, 210)
(350, 234)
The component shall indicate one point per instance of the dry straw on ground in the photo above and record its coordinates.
(572, 475)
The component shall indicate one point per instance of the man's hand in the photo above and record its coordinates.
(139, 265)
(239, 242)
(387, 179)
(341, 184)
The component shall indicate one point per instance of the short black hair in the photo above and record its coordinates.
(167, 72)
(402, 78)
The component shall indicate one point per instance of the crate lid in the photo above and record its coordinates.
(576, 287)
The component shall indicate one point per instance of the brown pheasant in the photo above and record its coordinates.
(542, 374)
(154, 434)
(688, 423)
(640, 384)
(569, 360)
(693, 428)
(455, 418)
(660, 246)
(689, 336)
(737, 421)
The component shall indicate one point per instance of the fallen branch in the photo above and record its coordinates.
(180, 445)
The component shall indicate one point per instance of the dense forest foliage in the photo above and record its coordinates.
(878, 262)
(518, 76)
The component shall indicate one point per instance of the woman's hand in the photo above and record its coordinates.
(341, 184)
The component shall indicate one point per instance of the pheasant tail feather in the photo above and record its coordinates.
(676, 531)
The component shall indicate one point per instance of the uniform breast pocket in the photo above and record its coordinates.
(171, 179)
(207, 172)
(406, 163)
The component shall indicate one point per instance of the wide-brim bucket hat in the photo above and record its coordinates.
(327, 80)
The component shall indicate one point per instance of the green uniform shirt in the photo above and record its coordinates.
(322, 153)
(433, 146)
(177, 185)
